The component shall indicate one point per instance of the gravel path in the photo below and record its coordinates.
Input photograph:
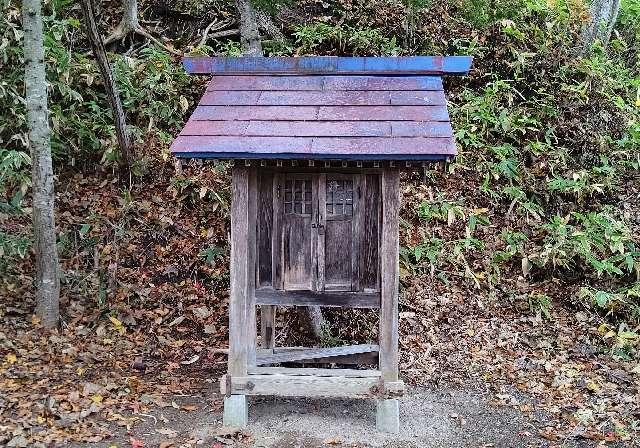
(429, 419)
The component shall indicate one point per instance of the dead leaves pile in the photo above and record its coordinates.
(558, 372)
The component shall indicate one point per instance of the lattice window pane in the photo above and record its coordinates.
(298, 196)
(339, 194)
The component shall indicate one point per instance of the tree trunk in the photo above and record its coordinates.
(129, 20)
(109, 83)
(604, 14)
(249, 35)
(44, 229)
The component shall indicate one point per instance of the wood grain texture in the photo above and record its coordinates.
(323, 83)
(369, 233)
(267, 326)
(265, 229)
(312, 386)
(242, 293)
(363, 148)
(309, 371)
(335, 113)
(290, 354)
(318, 128)
(317, 298)
(319, 98)
(389, 275)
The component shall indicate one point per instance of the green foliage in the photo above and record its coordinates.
(14, 179)
(484, 12)
(320, 37)
(594, 239)
(211, 254)
(540, 304)
(624, 301)
(440, 210)
(629, 19)
(12, 247)
(82, 123)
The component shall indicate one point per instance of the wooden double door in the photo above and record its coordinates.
(322, 229)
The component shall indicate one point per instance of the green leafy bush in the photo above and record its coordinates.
(320, 37)
(595, 240)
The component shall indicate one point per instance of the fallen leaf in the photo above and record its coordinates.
(190, 360)
(11, 358)
(190, 407)
(171, 433)
(135, 443)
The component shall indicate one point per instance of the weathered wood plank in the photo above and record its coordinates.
(290, 354)
(320, 98)
(278, 251)
(308, 371)
(265, 128)
(361, 148)
(338, 113)
(311, 386)
(265, 229)
(314, 298)
(267, 326)
(262, 128)
(370, 233)
(389, 275)
(242, 271)
(334, 65)
(324, 83)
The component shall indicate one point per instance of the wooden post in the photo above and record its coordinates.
(387, 418)
(267, 326)
(242, 310)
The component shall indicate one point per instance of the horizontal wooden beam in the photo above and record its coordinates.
(308, 371)
(312, 298)
(330, 65)
(291, 354)
(310, 386)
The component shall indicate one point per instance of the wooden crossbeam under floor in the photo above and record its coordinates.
(311, 386)
(293, 354)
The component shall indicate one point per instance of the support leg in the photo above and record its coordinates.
(388, 416)
(388, 411)
(267, 326)
(235, 411)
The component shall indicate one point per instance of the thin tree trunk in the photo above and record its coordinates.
(44, 229)
(604, 14)
(249, 35)
(130, 15)
(109, 83)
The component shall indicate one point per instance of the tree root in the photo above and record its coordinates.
(216, 26)
(121, 32)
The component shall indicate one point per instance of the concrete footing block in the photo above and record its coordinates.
(388, 416)
(235, 411)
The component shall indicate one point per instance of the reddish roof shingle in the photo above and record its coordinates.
(317, 116)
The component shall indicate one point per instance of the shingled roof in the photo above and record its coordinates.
(375, 108)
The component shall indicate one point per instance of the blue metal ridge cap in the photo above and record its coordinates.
(330, 65)
(306, 156)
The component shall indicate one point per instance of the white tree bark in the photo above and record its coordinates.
(604, 14)
(47, 274)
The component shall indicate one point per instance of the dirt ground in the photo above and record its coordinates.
(440, 418)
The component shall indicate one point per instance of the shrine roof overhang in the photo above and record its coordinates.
(339, 108)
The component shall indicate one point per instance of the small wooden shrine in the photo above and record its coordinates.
(317, 144)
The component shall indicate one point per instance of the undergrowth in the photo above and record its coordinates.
(544, 188)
